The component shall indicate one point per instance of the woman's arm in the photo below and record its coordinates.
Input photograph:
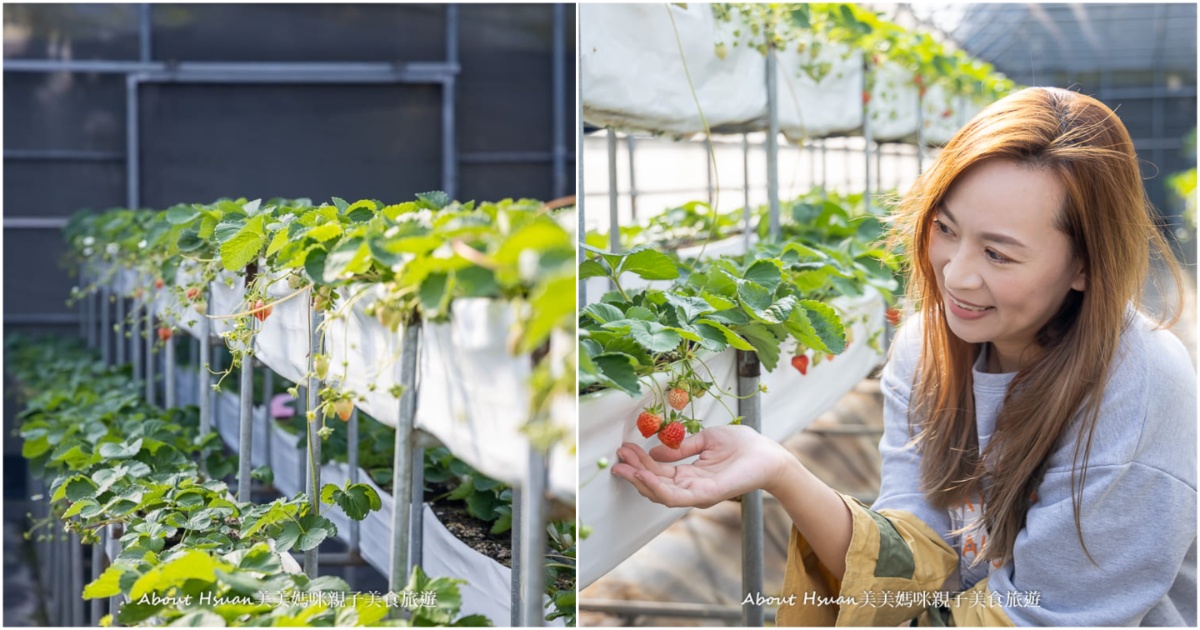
(734, 460)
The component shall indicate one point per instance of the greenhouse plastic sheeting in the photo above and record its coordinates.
(633, 78)
(623, 521)
(808, 108)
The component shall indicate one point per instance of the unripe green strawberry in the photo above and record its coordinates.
(672, 435)
(321, 366)
(648, 423)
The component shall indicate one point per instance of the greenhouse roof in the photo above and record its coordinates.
(1026, 39)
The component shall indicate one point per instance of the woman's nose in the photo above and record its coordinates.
(960, 273)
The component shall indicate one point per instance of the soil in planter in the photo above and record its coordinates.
(475, 533)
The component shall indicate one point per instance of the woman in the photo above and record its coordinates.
(1039, 453)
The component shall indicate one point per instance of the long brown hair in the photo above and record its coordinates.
(1113, 231)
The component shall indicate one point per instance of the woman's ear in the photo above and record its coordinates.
(1080, 281)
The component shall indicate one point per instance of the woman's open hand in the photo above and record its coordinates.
(733, 461)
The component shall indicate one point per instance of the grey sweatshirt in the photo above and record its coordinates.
(1138, 513)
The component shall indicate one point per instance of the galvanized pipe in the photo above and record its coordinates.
(868, 137)
(131, 141)
(97, 607)
(614, 224)
(246, 418)
(135, 338)
(773, 143)
(749, 370)
(630, 609)
(449, 146)
(75, 596)
(268, 418)
(514, 602)
(122, 344)
(313, 422)
(631, 144)
(416, 547)
(352, 461)
(533, 541)
(746, 191)
(169, 372)
(204, 388)
(151, 355)
(558, 102)
(581, 227)
(402, 486)
(709, 160)
(920, 132)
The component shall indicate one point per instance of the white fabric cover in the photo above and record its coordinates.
(633, 78)
(808, 109)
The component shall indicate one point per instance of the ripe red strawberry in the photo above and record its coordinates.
(866, 97)
(158, 284)
(164, 333)
(893, 315)
(677, 398)
(193, 293)
(672, 435)
(343, 408)
(262, 311)
(648, 423)
(800, 362)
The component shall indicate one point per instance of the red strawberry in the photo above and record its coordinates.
(829, 357)
(648, 423)
(343, 408)
(262, 311)
(164, 333)
(893, 315)
(158, 284)
(677, 398)
(672, 435)
(866, 97)
(193, 293)
(800, 362)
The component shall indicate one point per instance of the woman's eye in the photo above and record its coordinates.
(995, 256)
(941, 227)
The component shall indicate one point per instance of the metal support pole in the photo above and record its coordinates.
(614, 224)
(135, 338)
(75, 596)
(352, 460)
(752, 514)
(169, 373)
(402, 487)
(246, 426)
(581, 228)
(746, 191)
(449, 145)
(131, 140)
(709, 158)
(824, 165)
(920, 131)
(268, 419)
(83, 320)
(93, 297)
(558, 101)
(97, 604)
(533, 541)
(631, 144)
(773, 143)
(204, 388)
(151, 355)
(417, 513)
(122, 344)
(514, 605)
(313, 418)
(868, 139)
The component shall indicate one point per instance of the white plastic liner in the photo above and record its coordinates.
(282, 342)
(622, 520)
(808, 108)
(633, 78)
(893, 104)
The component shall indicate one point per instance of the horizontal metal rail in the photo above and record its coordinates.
(35, 223)
(13, 319)
(845, 430)
(203, 71)
(67, 155)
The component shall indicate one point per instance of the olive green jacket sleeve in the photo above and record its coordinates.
(895, 569)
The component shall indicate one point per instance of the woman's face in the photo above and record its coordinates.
(1002, 266)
